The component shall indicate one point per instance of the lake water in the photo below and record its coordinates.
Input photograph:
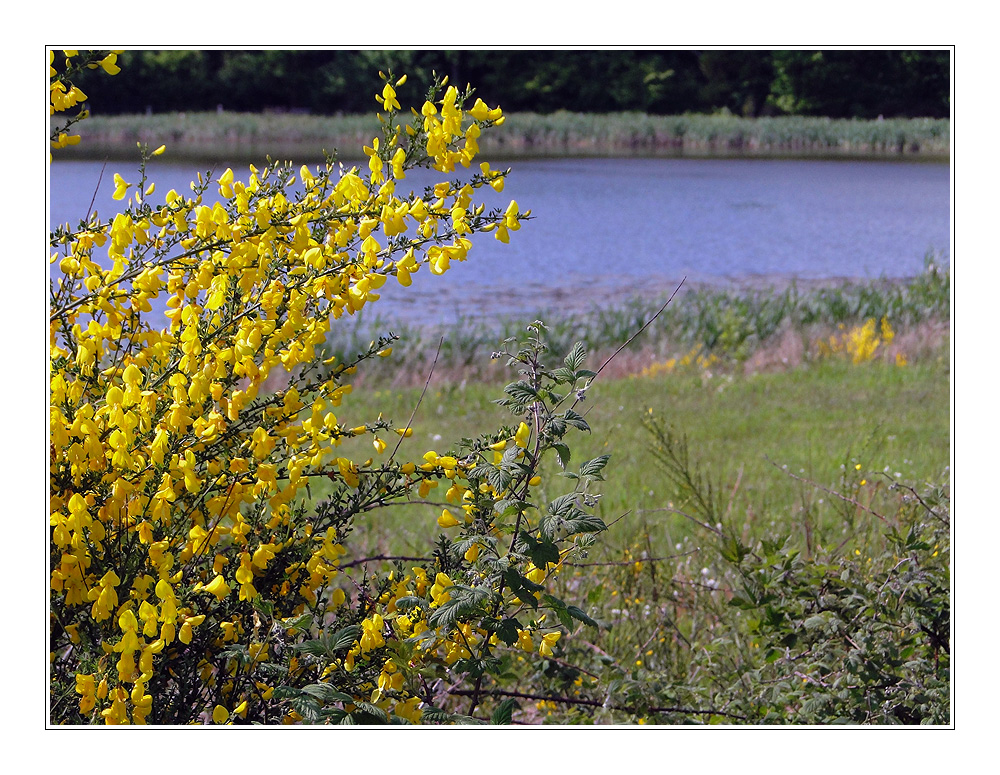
(607, 229)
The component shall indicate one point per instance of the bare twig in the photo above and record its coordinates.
(643, 328)
(599, 704)
(417, 406)
(628, 562)
(828, 491)
(383, 558)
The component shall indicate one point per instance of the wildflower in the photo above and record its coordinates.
(548, 641)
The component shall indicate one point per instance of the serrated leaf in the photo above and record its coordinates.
(301, 622)
(329, 645)
(326, 693)
(574, 418)
(580, 615)
(576, 356)
(595, 466)
(508, 506)
(504, 712)
(507, 631)
(563, 374)
(345, 637)
(584, 523)
(564, 454)
(541, 552)
(564, 506)
(408, 603)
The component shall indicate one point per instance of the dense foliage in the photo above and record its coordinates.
(193, 578)
(839, 84)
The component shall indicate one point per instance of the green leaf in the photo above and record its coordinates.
(574, 418)
(579, 615)
(522, 587)
(563, 374)
(564, 455)
(326, 693)
(507, 631)
(345, 638)
(594, 467)
(541, 552)
(301, 622)
(504, 711)
(329, 645)
(576, 356)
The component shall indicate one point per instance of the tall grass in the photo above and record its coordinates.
(238, 136)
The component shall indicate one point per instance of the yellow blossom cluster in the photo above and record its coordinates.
(179, 476)
(861, 343)
(63, 95)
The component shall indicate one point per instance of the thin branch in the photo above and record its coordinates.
(628, 562)
(698, 522)
(419, 400)
(382, 558)
(643, 328)
(600, 704)
(828, 491)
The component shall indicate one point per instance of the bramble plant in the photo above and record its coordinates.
(193, 578)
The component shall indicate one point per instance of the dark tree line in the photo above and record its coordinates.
(839, 83)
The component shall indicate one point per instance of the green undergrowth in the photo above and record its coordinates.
(778, 549)
(778, 543)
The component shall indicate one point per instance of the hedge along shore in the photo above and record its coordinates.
(251, 136)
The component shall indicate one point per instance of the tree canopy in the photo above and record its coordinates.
(837, 83)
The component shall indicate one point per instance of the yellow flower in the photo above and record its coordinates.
(218, 587)
(447, 519)
(548, 641)
(220, 715)
(108, 63)
(389, 101)
(120, 188)
(521, 437)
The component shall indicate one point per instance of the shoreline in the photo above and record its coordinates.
(254, 136)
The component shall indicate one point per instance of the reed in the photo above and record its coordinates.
(733, 325)
(240, 136)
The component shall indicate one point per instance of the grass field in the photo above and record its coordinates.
(744, 429)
